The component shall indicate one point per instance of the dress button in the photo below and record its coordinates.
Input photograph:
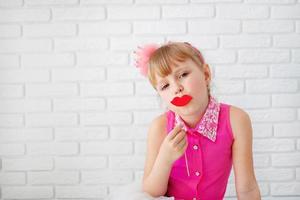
(194, 198)
(197, 173)
(195, 147)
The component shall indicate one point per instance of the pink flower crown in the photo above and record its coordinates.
(144, 53)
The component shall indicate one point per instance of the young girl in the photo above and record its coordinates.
(192, 146)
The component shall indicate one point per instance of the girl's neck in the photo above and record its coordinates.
(193, 119)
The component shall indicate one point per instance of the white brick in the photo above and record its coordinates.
(129, 43)
(126, 162)
(298, 144)
(214, 1)
(53, 177)
(11, 3)
(273, 145)
(140, 148)
(12, 149)
(12, 178)
(104, 28)
(25, 105)
(132, 103)
(228, 87)
(240, 11)
(272, 115)
(110, 118)
(287, 40)
(219, 56)
(76, 163)
(185, 12)
(161, 1)
(82, 13)
(25, 45)
(243, 71)
(47, 60)
(247, 101)
(262, 130)
(106, 148)
(80, 44)
(12, 90)
(286, 100)
(289, 188)
(106, 58)
(261, 160)
(9, 61)
(288, 71)
(104, 2)
(50, 2)
(11, 120)
(72, 74)
(7, 31)
(285, 12)
(20, 76)
(107, 89)
(81, 134)
(287, 129)
(25, 134)
(81, 192)
(27, 163)
(298, 26)
(296, 56)
(51, 119)
(86, 104)
(46, 30)
(52, 148)
(214, 27)
(27, 192)
(270, 1)
(145, 117)
(203, 42)
(122, 74)
(286, 159)
(271, 85)
(133, 12)
(107, 177)
(298, 174)
(268, 26)
(160, 27)
(247, 41)
(25, 15)
(53, 90)
(145, 88)
(264, 56)
(128, 132)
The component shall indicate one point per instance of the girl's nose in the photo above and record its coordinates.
(178, 88)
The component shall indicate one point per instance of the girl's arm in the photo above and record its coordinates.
(162, 151)
(245, 181)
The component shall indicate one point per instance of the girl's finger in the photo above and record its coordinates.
(175, 131)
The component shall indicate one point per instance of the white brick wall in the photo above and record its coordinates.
(74, 111)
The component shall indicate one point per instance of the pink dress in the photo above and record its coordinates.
(202, 172)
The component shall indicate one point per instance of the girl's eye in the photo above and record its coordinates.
(183, 74)
(164, 87)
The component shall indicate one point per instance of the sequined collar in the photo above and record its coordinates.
(208, 123)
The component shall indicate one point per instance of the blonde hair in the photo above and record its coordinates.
(168, 55)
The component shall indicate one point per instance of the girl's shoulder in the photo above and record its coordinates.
(239, 120)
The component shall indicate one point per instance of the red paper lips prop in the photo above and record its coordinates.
(181, 101)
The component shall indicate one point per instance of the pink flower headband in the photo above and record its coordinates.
(144, 53)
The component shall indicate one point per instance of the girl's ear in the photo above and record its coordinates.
(207, 73)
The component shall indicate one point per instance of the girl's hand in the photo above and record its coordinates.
(174, 144)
